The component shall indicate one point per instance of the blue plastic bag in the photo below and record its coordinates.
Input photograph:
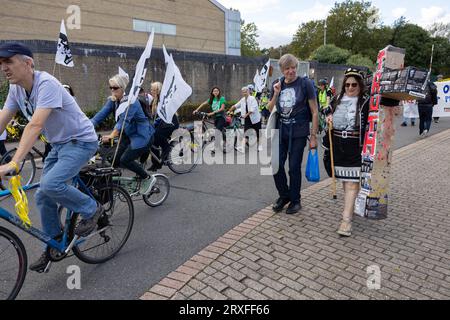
(312, 166)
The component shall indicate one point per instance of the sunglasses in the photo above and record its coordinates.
(353, 85)
(114, 88)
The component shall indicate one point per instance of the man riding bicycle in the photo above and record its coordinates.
(52, 110)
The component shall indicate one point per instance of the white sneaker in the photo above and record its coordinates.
(147, 185)
(425, 133)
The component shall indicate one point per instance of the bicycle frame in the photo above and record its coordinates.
(62, 245)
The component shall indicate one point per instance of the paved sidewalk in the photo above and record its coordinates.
(276, 256)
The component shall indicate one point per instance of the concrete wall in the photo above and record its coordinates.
(95, 64)
(200, 24)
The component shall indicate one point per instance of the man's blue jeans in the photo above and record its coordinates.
(62, 164)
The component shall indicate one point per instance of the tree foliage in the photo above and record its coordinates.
(249, 43)
(355, 26)
(331, 54)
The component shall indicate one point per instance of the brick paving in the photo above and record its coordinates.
(301, 257)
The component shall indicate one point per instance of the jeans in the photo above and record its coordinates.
(126, 158)
(291, 192)
(62, 164)
(426, 116)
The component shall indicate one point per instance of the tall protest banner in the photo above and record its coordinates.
(372, 200)
(63, 54)
(442, 109)
(260, 78)
(174, 91)
(139, 76)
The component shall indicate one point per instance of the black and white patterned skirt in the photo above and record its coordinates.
(347, 158)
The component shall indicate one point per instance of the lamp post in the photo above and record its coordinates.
(325, 33)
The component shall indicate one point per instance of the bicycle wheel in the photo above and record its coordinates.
(116, 223)
(27, 167)
(184, 155)
(13, 264)
(159, 193)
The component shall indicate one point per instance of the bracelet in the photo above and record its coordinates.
(15, 166)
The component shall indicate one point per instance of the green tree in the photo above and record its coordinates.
(331, 54)
(308, 38)
(249, 43)
(351, 24)
(417, 43)
(360, 60)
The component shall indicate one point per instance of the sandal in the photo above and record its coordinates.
(346, 228)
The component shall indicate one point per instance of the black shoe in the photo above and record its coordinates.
(279, 204)
(154, 167)
(404, 124)
(40, 264)
(413, 124)
(293, 208)
(86, 226)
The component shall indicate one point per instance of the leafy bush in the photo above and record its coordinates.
(331, 54)
(360, 60)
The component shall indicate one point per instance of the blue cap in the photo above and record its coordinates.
(9, 49)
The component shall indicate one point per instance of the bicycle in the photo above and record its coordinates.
(183, 155)
(28, 165)
(113, 229)
(159, 191)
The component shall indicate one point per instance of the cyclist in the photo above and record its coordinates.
(217, 103)
(137, 131)
(163, 130)
(51, 109)
(250, 113)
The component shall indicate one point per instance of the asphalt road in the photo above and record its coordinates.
(202, 206)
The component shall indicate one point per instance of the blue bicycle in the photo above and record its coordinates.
(112, 232)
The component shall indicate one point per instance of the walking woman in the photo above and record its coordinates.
(348, 115)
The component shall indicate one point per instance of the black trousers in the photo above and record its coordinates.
(291, 191)
(126, 158)
(426, 117)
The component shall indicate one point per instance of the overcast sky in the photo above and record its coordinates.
(278, 20)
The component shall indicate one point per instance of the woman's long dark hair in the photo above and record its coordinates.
(361, 97)
(212, 96)
(361, 85)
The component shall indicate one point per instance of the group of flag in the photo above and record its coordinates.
(174, 92)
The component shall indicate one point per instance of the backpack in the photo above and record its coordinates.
(303, 84)
(145, 106)
(431, 93)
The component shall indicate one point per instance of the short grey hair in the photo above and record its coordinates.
(26, 58)
(245, 89)
(287, 60)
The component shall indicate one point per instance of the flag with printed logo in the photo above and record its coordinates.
(260, 79)
(139, 76)
(63, 53)
(174, 91)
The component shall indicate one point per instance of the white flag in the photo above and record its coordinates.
(261, 79)
(63, 54)
(139, 76)
(174, 91)
(332, 83)
(122, 73)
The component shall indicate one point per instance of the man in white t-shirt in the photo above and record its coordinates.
(249, 109)
(50, 109)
